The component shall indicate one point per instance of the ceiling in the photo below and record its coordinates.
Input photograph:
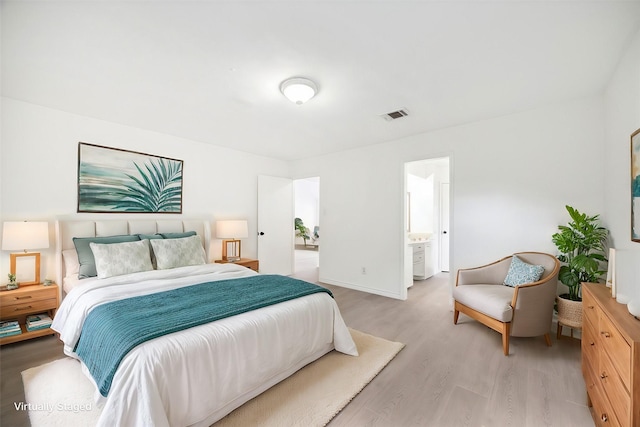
(210, 71)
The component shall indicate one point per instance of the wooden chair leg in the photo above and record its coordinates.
(559, 331)
(456, 313)
(547, 338)
(506, 331)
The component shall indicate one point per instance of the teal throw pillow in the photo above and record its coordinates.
(521, 272)
(178, 235)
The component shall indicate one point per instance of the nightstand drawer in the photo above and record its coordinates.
(26, 295)
(13, 310)
(253, 265)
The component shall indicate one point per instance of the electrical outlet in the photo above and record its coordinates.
(364, 270)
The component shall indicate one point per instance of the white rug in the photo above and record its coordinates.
(58, 394)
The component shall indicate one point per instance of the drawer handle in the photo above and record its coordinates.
(605, 334)
(591, 307)
(603, 375)
(604, 418)
(24, 297)
(593, 343)
(23, 308)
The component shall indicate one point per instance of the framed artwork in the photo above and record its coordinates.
(115, 180)
(635, 186)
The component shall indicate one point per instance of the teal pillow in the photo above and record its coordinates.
(178, 235)
(521, 272)
(85, 254)
(150, 236)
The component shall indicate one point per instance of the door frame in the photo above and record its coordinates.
(406, 254)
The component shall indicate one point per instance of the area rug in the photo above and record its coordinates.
(58, 394)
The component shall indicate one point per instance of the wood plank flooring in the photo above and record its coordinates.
(445, 376)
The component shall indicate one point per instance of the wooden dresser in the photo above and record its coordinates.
(610, 358)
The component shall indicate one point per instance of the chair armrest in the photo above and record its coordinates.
(533, 306)
(493, 273)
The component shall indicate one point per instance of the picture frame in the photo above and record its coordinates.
(114, 180)
(611, 272)
(635, 186)
(26, 267)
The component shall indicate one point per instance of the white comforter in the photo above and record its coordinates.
(197, 376)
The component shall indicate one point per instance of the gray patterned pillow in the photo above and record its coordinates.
(172, 253)
(115, 259)
(521, 272)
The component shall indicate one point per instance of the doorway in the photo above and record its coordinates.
(426, 231)
(307, 240)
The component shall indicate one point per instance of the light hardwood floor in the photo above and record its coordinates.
(445, 376)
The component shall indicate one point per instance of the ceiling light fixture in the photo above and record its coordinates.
(298, 89)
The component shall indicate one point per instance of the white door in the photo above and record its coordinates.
(444, 226)
(275, 225)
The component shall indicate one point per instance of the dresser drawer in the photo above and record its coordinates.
(603, 414)
(589, 309)
(25, 295)
(590, 343)
(617, 348)
(13, 310)
(615, 390)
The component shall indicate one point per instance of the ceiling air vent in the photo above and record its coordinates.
(395, 114)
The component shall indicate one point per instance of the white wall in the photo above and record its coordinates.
(511, 178)
(39, 171)
(622, 118)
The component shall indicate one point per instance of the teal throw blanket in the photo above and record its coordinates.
(113, 329)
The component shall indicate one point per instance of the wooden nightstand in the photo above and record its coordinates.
(19, 303)
(252, 264)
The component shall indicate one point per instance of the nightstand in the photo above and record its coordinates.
(252, 264)
(17, 304)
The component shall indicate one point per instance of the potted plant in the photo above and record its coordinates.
(301, 230)
(12, 282)
(581, 244)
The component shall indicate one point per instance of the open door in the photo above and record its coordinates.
(275, 225)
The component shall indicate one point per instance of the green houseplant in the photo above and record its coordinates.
(582, 251)
(581, 244)
(12, 282)
(301, 230)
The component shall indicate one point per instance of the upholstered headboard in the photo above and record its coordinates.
(66, 230)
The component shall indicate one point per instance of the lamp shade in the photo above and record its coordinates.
(298, 90)
(232, 229)
(25, 235)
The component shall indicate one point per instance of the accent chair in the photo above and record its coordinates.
(520, 308)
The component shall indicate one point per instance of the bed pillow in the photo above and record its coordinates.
(521, 272)
(181, 252)
(85, 255)
(145, 238)
(178, 235)
(150, 236)
(116, 259)
(71, 264)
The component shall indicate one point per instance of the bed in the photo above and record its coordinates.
(195, 376)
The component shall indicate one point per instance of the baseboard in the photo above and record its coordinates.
(360, 288)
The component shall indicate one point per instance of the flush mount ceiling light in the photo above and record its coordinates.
(298, 89)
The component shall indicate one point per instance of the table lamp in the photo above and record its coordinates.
(231, 231)
(22, 236)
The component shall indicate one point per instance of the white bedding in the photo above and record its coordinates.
(197, 376)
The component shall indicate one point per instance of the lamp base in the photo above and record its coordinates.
(231, 250)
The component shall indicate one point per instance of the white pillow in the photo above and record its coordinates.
(172, 253)
(115, 259)
(71, 263)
